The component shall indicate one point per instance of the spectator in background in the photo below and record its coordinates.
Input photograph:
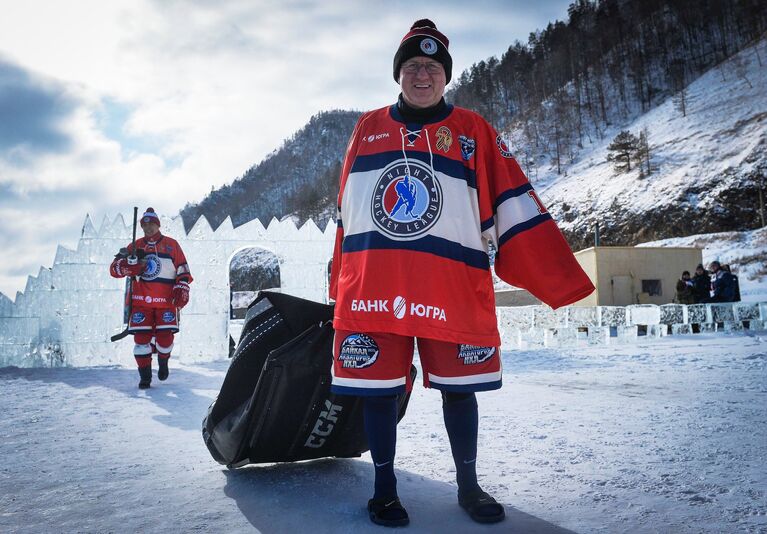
(685, 290)
(723, 285)
(701, 284)
(726, 267)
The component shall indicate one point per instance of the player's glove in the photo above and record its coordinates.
(123, 267)
(180, 295)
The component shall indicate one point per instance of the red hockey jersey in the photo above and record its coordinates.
(165, 265)
(417, 207)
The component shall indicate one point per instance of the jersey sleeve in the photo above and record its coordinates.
(114, 273)
(351, 152)
(183, 274)
(531, 251)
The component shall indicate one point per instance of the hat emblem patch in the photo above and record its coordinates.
(429, 46)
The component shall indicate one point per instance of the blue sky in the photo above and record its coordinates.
(107, 105)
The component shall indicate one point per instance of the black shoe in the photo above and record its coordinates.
(481, 507)
(162, 372)
(146, 377)
(388, 512)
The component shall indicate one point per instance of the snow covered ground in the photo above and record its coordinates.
(667, 436)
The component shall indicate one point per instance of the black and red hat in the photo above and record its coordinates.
(424, 39)
(150, 217)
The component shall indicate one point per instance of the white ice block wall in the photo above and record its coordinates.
(67, 312)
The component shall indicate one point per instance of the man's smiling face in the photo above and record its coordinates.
(423, 82)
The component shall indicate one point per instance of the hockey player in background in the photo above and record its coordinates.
(425, 187)
(160, 288)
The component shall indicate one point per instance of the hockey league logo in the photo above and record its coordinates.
(168, 317)
(471, 354)
(358, 351)
(406, 204)
(137, 318)
(153, 267)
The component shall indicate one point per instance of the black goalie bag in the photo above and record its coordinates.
(275, 404)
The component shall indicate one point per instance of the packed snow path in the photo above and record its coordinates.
(666, 436)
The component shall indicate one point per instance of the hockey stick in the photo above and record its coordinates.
(133, 258)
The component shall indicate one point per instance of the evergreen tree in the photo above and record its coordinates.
(622, 150)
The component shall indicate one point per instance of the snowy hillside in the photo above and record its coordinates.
(706, 164)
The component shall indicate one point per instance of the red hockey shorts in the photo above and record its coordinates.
(378, 363)
(153, 320)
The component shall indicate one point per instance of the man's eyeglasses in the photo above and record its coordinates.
(414, 68)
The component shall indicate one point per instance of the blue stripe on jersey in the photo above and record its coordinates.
(450, 167)
(510, 193)
(521, 227)
(466, 388)
(366, 392)
(438, 246)
(487, 224)
(169, 281)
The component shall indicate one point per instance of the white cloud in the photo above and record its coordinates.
(208, 88)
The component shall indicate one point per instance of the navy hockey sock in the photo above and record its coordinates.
(462, 424)
(381, 431)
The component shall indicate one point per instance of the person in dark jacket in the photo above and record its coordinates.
(723, 285)
(685, 290)
(701, 283)
(726, 267)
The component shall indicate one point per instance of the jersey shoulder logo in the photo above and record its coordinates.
(407, 200)
(444, 138)
(503, 147)
(468, 146)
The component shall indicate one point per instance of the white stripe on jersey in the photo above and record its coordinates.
(361, 383)
(514, 211)
(465, 380)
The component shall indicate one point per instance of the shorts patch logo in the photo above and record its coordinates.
(444, 138)
(429, 46)
(152, 269)
(407, 200)
(503, 147)
(471, 354)
(168, 317)
(468, 146)
(358, 351)
(137, 318)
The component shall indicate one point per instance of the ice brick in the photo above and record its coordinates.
(612, 315)
(627, 334)
(697, 314)
(520, 317)
(582, 316)
(681, 329)
(643, 314)
(671, 314)
(721, 313)
(598, 335)
(746, 311)
(545, 317)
